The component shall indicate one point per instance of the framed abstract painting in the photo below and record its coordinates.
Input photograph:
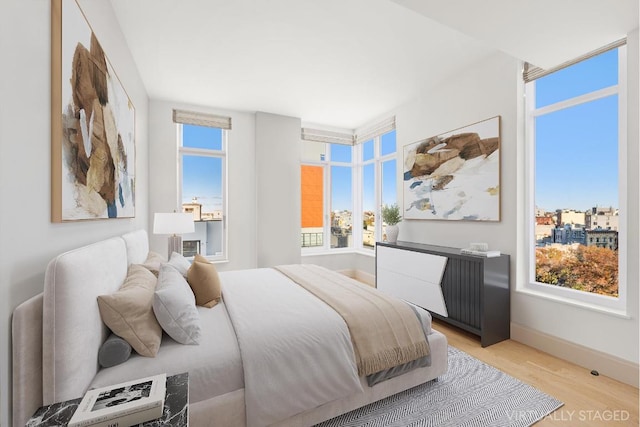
(92, 125)
(454, 175)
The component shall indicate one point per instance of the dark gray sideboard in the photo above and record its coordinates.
(475, 289)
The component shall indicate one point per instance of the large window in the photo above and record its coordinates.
(343, 187)
(574, 120)
(202, 172)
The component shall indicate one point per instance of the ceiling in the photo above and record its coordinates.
(342, 63)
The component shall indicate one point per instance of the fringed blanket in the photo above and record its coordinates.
(385, 332)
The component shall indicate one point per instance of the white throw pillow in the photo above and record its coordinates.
(180, 263)
(175, 306)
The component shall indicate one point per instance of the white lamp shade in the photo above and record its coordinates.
(173, 223)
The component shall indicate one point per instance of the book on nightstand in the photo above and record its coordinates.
(122, 405)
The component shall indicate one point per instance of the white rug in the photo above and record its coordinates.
(471, 393)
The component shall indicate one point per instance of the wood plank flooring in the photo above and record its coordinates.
(588, 400)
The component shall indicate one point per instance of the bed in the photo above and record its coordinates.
(271, 353)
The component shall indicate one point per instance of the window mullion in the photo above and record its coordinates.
(326, 244)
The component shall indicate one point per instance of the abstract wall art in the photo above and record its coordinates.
(92, 125)
(455, 175)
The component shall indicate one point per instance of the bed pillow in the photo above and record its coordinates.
(180, 263)
(153, 261)
(129, 312)
(204, 281)
(175, 306)
(113, 351)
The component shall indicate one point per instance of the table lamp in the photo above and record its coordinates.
(173, 224)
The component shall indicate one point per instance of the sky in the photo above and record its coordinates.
(202, 176)
(577, 148)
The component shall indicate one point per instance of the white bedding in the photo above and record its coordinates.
(299, 358)
(214, 366)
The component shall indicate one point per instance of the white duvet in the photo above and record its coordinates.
(296, 351)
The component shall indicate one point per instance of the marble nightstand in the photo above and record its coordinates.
(175, 414)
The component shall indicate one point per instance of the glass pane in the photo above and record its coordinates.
(368, 206)
(341, 206)
(576, 197)
(202, 196)
(587, 76)
(201, 137)
(313, 151)
(389, 182)
(367, 150)
(341, 153)
(388, 143)
(312, 189)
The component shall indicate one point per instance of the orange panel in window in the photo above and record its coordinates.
(312, 195)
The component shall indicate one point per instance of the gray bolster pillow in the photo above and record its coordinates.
(113, 351)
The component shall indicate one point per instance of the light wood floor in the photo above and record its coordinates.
(588, 400)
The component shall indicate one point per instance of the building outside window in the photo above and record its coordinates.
(577, 113)
(202, 141)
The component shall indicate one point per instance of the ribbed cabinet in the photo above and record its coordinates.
(475, 289)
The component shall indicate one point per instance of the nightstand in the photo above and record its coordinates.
(175, 413)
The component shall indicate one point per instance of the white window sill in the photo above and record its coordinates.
(575, 303)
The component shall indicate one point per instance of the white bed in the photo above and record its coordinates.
(57, 335)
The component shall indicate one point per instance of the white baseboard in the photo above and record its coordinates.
(606, 364)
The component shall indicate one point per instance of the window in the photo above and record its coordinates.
(326, 170)
(202, 141)
(378, 185)
(574, 118)
(343, 187)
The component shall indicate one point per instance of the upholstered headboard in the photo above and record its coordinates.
(71, 327)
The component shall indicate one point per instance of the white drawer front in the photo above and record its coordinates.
(426, 295)
(427, 267)
(412, 276)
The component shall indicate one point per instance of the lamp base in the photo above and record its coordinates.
(175, 245)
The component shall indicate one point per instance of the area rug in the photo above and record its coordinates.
(471, 393)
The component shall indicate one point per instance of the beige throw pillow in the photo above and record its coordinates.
(204, 281)
(153, 261)
(129, 311)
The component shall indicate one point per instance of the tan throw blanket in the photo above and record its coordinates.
(385, 331)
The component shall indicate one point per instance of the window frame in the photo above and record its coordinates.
(378, 160)
(205, 152)
(603, 303)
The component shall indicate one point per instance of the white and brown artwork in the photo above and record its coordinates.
(93, 125)
(455, 175)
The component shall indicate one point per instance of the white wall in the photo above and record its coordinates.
(485, 91)
(241, 176)
(28, 239)
(278, 189)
